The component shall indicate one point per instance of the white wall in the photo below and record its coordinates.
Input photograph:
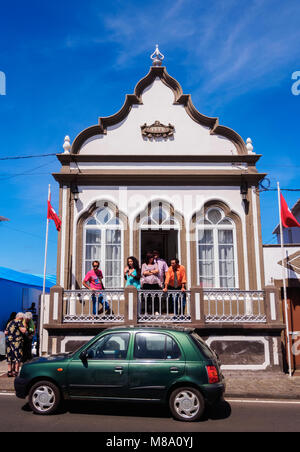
(272, 257)
(190, 138)
(186, 200)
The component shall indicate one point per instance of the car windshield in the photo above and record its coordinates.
(208, 353)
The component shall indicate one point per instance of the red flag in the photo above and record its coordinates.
(287, 218)
(51, 215)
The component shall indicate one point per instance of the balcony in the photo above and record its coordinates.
(202, 308)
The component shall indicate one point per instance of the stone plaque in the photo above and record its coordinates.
(157, 129)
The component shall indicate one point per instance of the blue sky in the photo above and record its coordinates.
(67, 63)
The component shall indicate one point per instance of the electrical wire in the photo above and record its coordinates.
(27, 156)
(264, 185)
(25, 173)
(25, 232)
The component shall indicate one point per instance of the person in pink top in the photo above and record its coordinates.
(93, 281)
(162, 267)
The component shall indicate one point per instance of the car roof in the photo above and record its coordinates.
(158, 328)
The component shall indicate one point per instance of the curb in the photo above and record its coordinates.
(253, 395)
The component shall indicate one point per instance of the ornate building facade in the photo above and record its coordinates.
(158, 174)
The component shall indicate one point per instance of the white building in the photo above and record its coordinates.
(160, 175)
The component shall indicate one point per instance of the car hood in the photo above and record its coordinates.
(51, 358)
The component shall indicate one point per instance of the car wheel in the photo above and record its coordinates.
(44, 397)
(186, 404)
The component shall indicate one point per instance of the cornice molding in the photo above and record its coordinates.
(159, 178)
(179, 99)
(250, 159)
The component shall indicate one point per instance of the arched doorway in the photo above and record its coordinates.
(159, 228)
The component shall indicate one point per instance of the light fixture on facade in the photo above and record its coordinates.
(75, 191)
(244, 194)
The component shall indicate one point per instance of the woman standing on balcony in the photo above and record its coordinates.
(151, 281)
(132, 273)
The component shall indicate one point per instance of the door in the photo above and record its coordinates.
(157, 363)
(163, 241)
(104, 372)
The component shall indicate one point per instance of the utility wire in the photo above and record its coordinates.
(26, 156)
(25, 232)
(25, 173)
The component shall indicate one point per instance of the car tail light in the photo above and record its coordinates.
(212, 373)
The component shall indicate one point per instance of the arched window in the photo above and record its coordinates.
(103, 233)
(159, 218)
(216, 250)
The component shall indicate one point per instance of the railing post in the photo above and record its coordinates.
(197, 306)
(56, 305)
(273, 308)
(131, 302)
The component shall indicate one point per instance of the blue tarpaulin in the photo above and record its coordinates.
(26, 278)
(18, 290)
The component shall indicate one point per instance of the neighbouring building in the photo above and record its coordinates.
(278, 267)
(158, 174)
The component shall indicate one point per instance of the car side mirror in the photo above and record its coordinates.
(83, 356)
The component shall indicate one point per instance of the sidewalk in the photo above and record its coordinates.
(270, 385)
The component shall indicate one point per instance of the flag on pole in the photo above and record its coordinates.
(287, 218)
(52, 215)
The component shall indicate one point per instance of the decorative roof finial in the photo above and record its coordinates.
(67, 145)
(249, 146)
(157, 57)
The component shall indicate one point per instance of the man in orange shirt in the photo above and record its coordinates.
(176, 280)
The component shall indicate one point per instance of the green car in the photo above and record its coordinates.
(148, 364)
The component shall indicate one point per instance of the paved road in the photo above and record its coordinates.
(233, 416)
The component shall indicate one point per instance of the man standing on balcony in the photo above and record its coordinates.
(176, 280)
(94, 277)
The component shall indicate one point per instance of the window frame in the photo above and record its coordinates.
(180, 358)
(103, 244)
(215, 228)
(94, 344)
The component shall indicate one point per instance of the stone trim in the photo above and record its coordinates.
(273, 305)
(66, 159)
(250, 243)
(179, 99)
(160, 177)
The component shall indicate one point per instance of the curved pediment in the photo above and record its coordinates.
(106, 125)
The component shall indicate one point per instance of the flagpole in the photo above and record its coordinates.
(44, 281)
(284, 276)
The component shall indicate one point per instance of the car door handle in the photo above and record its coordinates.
(119, 369)
(174, 369)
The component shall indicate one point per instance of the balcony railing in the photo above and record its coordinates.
(208, 306)
(195, 306)
(158, 306)
(93, 307)
(234, 306)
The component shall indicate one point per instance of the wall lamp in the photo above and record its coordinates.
(75, 192)
(244, 193)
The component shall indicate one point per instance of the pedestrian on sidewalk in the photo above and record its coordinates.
(14, 344)
(28, 336)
